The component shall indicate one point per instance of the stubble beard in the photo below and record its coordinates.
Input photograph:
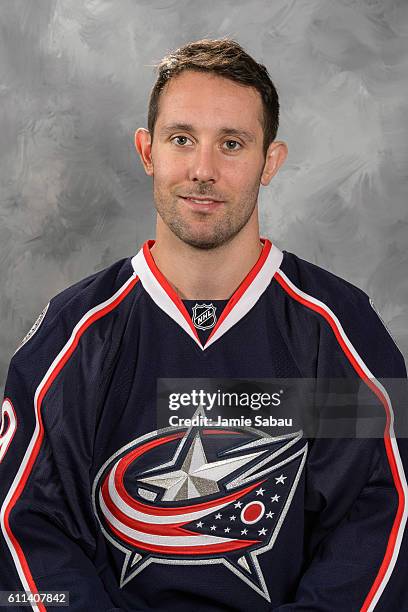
(222, 231)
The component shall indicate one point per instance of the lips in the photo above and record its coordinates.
(201, 200)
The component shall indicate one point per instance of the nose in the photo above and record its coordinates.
(203, 167)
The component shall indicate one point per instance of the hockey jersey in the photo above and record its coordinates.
(101, 499)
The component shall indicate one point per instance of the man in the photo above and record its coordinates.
(101, 500)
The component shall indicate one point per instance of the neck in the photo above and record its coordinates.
(197, 274)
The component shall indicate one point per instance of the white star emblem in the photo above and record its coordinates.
(232, 518)
(275, 498)
(260, 491)
(262, 531)
(213, 527)
(244, 531)
(238, 504)
(200, 524)
(270, 514)
(281, 479)
(227, 529)
(196, 477)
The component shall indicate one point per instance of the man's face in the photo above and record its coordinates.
(208, 145)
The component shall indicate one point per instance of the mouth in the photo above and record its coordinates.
(202, 203)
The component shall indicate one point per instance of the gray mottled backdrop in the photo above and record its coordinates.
(74, 84)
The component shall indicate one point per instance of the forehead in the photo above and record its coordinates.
(211, 99)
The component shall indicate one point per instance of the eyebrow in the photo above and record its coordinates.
(187, 127)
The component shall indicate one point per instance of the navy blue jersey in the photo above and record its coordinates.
(100, 501)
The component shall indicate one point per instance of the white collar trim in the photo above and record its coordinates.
(235, 310)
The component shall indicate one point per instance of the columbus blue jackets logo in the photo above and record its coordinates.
(199, 496)
(204, 316)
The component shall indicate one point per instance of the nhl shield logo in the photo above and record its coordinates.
(204, 316)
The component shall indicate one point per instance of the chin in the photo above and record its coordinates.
(206, 238)
(202, 245)
(205, 242)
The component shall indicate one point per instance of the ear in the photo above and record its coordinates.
(275, 158)
(143, 144)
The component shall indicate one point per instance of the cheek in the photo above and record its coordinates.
(168, 170)
(242, 175)
(247, 164)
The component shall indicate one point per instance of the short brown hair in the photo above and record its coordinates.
(226, 58)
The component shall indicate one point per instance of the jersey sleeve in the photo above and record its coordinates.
(356, 490)
(48, 531)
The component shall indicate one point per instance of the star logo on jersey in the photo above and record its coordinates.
(204, 316)
(198, 496)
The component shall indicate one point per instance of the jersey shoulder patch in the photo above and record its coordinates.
(374, 307)
(34, 328)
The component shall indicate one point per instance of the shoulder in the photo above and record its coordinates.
(93, 290)
(315, 282)
(70, 313)
(343, 310)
